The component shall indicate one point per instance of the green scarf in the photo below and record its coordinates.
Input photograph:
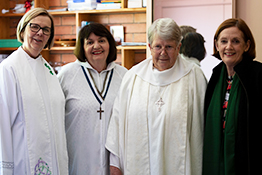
(219, 147)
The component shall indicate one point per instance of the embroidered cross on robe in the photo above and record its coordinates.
(160, 103)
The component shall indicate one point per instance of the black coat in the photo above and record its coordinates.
(249, 130)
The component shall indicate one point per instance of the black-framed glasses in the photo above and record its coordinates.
(35, 28)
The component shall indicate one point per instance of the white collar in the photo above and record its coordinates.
(109, 67)
(146, 71)
(20, 49)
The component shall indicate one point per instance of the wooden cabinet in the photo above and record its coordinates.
(127, 52)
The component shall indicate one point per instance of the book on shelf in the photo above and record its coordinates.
(144, 4)
(84, 23)
(118, 34)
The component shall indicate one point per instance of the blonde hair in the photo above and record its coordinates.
(166, 29)
(27, 18)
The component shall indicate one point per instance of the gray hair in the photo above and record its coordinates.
(166, 29)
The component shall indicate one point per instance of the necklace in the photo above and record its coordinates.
(99, 95)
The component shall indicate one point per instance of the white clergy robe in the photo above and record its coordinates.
(191, 59)
(87, 114)
(157, 123)
(32, 123)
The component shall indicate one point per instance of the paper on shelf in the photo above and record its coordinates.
(133, 44)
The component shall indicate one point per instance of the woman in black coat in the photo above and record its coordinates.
(232, 105)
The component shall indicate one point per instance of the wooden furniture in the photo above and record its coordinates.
(127, 52)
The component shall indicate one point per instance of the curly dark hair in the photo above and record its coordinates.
(99, 30)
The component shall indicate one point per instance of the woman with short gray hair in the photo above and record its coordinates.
(157, 121)
(165, 28)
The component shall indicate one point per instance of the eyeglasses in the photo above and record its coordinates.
(159, 48)
(36, 28)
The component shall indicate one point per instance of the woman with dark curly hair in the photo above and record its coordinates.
(90, 85)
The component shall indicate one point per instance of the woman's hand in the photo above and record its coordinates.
(115, 171)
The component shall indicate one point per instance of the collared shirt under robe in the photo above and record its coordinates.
(87, 114)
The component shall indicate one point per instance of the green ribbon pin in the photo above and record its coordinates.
(49, 69)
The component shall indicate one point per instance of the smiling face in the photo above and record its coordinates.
(34, 42)
(164, 53)
(231, 46)
(96, 50)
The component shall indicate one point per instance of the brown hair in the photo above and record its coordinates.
(193, 46)
(247, 34)
(186, 29)
(31, 14)
(99, 30)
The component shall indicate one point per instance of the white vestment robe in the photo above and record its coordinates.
(87, 114)
(191, 59)
(157, 123)
(32, 127)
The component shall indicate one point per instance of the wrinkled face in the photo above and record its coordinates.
(96, 49)
(231, 46)
(164, 53)
(34, 42)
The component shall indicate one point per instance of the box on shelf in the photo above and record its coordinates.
(134, 3)
(9, 43)
(118, 33)
(108, 5)
(74, 5)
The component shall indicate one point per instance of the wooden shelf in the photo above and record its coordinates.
(62, 48)
(128, 53)
(131, 47)
(118, 48)
(122, 10)
(55, 48)
(72, 48)
(11, 15)
(8, 48)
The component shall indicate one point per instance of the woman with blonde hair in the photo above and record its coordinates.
(32, 128)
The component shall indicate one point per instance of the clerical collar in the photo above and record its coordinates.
(29, 54)
(109, 67)
(146, 71)
(156, 71)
